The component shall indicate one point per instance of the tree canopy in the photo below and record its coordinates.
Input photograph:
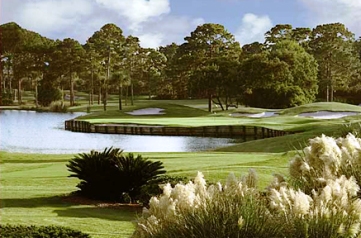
(291, 67)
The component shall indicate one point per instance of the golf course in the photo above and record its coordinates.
(36, 190)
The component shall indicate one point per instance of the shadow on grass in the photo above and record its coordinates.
(54, 201)
(112, 214)
(29, 161)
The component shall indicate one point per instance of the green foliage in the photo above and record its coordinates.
(282, 77)
(47, 94)
(110, 175)
(154, 187)
(7, 99)
(58, 106)
(333, 48)
(10, 231)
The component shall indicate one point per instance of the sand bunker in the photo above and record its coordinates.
(327, 114)
(147, 111)
(257, 115)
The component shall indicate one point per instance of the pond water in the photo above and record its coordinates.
(42, 132)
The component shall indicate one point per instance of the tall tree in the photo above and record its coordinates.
(69, 58)
(332, 46)
(153, 67)
(168, 88)
(107, 42)
(278, 33)
(12, 41)
(284, 76)
(132, 61)
(205, 44)
(19, 50)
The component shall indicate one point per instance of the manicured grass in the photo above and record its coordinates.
(33, 187)
(321, 106)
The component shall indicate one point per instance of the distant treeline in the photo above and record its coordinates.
(293, 66)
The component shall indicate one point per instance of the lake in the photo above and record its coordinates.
(43, 132)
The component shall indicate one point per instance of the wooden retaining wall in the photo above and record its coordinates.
(204, 131)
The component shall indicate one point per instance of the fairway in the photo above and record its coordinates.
(33, 187)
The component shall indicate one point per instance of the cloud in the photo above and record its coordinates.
(137, 11)
(347, 12)
(149, 20)
(166, 30)
(253, 28)
(151, 40)
(53, 16)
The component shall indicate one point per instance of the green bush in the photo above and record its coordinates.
(11, 231)
(59, 106)
(7, 99)
(47, 94)
(113, 176)
(154, 187)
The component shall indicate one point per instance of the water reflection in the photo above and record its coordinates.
(34, 132)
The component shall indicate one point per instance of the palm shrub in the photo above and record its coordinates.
(110, 174)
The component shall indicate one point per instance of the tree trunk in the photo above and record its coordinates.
(209, 102)
(91, 96)
(105, 97)
(62, 95)
(19, 92)
(36, 93)
(1, 87)
(327, 94)
(120, 96)
(99, 94)
(71, 90)
(331, 93)
(10, 90)
(220, 103)
(131, 94)
(126, 96)
(149, 88)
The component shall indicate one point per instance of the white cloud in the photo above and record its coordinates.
(253, 28)
(137, 11)
(347, 12)
(149, 20)
(53, 16)
(151, 40)
(166, 30)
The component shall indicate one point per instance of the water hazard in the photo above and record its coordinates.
(42, 132)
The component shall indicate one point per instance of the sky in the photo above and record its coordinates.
(161, 22)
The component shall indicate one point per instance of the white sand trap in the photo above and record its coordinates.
(327, 114)
(257, 115)
(147, 111)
